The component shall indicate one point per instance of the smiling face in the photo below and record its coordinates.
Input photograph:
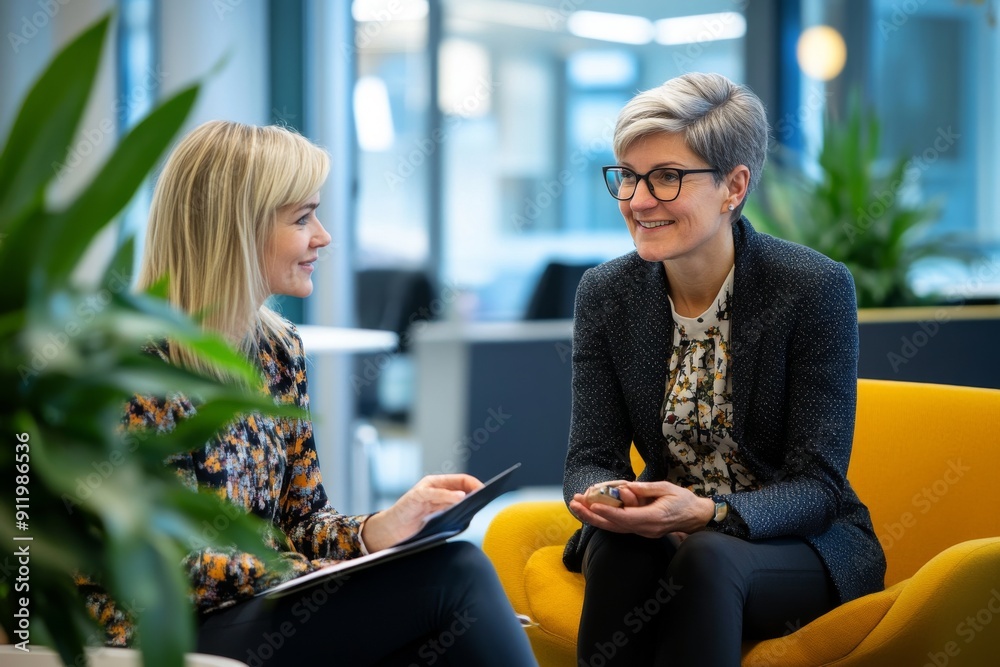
(696, 224)
(294, 248)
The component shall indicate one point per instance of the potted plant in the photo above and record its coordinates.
(853, 212)
(87, 497)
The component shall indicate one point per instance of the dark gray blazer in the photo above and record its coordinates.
(794, 341)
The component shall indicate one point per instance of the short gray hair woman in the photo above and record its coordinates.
(721, 121)
(728, 358)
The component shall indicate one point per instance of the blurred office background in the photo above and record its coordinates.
(466, 198)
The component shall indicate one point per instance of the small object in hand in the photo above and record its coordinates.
(604, 493)
(525, 621)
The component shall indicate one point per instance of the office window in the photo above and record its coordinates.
(138, 84)
(391, 100)
(598, 83)
(928, 100)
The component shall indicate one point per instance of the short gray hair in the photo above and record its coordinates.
(722, 122)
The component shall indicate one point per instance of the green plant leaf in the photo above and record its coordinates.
(113, 187)
(47, 122)
(160, 289)
(213, 523)
(209, 346)
(17, 253)
(119, 269)
(147, 579)
(63, 627)
(10, 323)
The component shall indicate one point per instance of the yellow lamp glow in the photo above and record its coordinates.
(821, 52)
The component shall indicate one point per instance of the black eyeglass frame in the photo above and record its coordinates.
(681, 173)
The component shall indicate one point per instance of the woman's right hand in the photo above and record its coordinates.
(406, 516)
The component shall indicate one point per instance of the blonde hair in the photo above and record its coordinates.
(212, 218)
(723, 122)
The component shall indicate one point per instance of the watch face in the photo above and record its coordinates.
(721, 510)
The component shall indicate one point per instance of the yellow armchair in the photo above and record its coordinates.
(925, 461)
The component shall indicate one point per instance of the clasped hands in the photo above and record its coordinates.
(649, 509)
(406, 516)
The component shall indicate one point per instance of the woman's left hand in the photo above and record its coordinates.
(406, 516)
(652, 509)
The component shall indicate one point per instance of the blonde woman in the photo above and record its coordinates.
(234, 221)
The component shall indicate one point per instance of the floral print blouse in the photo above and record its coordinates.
(697, 408)
(263, 465)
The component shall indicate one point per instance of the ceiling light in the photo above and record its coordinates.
(382, 11)
(611, 27)
(700, 28)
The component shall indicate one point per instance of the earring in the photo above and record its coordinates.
(732, 208)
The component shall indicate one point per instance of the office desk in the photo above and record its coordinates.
(320, 339)
(491, 394)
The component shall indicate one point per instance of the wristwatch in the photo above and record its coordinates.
(721, 512)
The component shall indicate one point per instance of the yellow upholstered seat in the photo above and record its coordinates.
(925, 461)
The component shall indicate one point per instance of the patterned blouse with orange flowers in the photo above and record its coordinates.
(264, 465)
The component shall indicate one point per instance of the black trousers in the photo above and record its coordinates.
(652, 602)
(441, 606)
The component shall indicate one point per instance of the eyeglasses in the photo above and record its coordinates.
(664, 183)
